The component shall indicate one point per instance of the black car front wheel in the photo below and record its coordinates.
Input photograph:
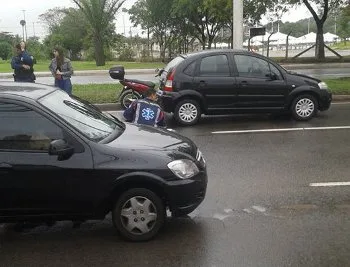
(304, 107)
(187, 112)
(138, 214)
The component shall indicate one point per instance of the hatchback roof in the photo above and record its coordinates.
(216, 51)
(29, 90)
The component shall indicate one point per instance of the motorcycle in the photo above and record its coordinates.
(133, 89)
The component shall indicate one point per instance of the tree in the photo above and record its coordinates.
(155, 16)
(99, 14)
(320, 10)
(344, 23)
(5, 50)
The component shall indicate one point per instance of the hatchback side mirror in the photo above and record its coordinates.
(272, 76)
(61, 148)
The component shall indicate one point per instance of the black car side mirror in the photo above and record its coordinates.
(61, 149)
(272, 76)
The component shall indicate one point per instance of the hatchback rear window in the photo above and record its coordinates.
(173, 63)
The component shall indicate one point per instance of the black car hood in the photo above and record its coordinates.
(305, 77)
(140, 137)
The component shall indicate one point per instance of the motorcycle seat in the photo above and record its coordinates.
(147, 83)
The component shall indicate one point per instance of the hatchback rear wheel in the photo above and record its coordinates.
(187, 112)
(138, 214)
(304, 107)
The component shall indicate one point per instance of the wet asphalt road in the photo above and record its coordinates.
(259, 210)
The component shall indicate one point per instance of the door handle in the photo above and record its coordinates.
(202, 83)
(244, 83)
(4, 165)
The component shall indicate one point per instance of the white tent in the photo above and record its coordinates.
(277, 37)
(330, 37)
(306, 39)
(252, 43)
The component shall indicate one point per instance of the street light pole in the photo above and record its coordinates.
(237, 26)
(25, 25)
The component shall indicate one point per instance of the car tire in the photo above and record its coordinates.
(138, 214)
(127, 97)
(304, 107)
(187, 112)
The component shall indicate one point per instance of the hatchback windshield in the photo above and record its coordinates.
(92, 123)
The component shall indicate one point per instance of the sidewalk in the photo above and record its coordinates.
(152, 71)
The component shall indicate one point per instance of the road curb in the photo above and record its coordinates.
(117, 106)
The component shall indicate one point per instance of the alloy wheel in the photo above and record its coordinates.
(188, 112)
(304, 107)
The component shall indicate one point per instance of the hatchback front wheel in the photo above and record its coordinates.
(304, 107)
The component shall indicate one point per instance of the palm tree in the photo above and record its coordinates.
(99, 14)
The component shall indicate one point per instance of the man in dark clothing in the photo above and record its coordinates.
(146, 111)
(22, 64)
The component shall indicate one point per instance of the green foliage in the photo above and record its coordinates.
(344, 23)
(126, 54)
(5, 50)
(100, 15)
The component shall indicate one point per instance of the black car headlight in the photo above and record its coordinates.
(183, 168)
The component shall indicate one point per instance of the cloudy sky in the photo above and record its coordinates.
(12, 12)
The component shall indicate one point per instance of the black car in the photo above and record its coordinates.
(234, 81)
(62, 159)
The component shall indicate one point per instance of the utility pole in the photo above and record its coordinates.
(237, 26)
(34, 29)
(25, 25)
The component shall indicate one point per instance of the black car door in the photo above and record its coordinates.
(214, 80)
(32, 182)
(261, 84)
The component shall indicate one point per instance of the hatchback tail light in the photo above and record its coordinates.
(169, 81)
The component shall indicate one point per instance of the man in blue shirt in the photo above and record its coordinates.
(146, 111)
(22, 64)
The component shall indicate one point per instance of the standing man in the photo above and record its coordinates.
(22, 64)
(146, 111)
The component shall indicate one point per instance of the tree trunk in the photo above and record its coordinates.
(99, 53)
(319, 52)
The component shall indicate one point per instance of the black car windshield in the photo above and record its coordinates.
(86, 119)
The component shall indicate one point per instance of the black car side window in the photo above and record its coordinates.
(214, 66)
(190, 69)
(249, 66)
(24, 129)
(276, 72)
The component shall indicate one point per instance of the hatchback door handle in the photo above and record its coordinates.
(4, 165)
(202, 83)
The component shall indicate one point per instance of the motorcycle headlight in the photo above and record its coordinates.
(323, 86)
(183, 168)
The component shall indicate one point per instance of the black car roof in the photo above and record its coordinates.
(216, 51)
(29, 90)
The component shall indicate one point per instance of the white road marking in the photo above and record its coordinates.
(220, 216)
(340, 103)
(259, 208)
(282, 130)
(330, 184)
(247, 210)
